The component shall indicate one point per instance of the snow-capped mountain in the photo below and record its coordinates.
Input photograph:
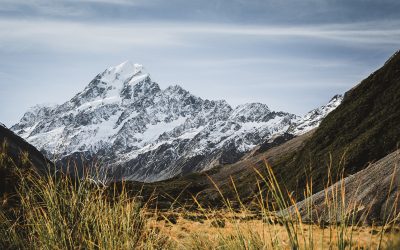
(312, 119)
(139, 131)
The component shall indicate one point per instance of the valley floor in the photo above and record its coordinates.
(224, 230)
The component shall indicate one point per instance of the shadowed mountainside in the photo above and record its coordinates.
(363, 129)
(15, 153)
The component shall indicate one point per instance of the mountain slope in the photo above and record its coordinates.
(363, 129)
(138, 131)
(15, 152)
(14, 147)
(370, 195)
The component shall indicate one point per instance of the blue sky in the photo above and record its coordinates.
(291, 55)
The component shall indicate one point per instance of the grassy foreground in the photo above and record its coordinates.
(58, 213)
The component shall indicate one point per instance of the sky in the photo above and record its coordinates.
(291, 55)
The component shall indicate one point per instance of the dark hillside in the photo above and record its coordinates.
(15, 152)
(363, 129)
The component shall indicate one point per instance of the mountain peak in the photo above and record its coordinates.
(336, 97)
(127, 67)
(123, 72)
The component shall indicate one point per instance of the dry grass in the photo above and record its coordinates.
(256, 234)
(58, 213)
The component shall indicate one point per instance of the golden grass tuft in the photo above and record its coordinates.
(59, 213)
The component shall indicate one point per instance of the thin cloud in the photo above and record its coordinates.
(282, 60)
(76, 36)
(66, 8)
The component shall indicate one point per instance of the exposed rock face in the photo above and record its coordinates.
(274, 141)
(138, 131)
(371, 195)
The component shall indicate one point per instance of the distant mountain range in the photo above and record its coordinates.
(137, 131)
